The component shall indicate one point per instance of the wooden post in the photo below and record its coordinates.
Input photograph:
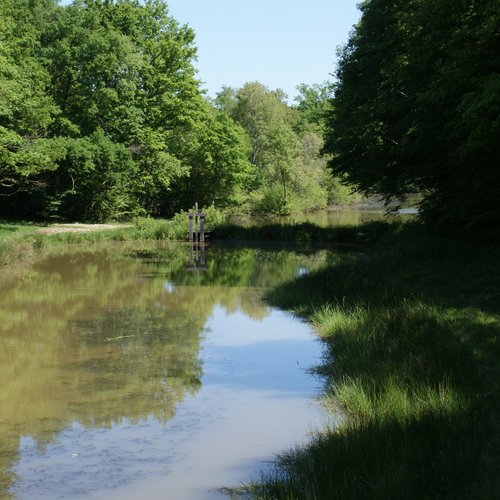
(191, 255)
(196, 240)
(190, 227)
(197, 233)
(202, 228)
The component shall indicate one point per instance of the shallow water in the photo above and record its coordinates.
(322, 218)
(127, 373)
(334, 218)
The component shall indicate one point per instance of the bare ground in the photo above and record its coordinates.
(80, 228)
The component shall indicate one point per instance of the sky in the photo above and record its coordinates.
(280, 43)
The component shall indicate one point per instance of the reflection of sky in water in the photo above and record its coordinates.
(302, 271)
(255, 400)
(268, 355)
(236, 329)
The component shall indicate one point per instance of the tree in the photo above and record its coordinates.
(217, 151)
(282, 149)
(226, 100)
(151, 102)
(289, 171)
(416, 86)
(125, 70)
(314, 103)
(256, 110)
(26, 112)
(101, 115)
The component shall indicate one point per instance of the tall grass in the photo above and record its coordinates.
(412, 330)
(301, 233)
(19, 242)
(17, 248)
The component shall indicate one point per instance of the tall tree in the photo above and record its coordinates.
(314, 102)
(417, 83)
(258, 108)
(125, 70)
(282, 149)
(217, 151)
(289, 169)
(26, 111)
(101, 111)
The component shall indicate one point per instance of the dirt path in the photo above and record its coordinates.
(80, 228)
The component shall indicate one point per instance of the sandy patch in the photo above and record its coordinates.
(80, 228)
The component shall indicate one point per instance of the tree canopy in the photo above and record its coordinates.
(101, 114)
(102, 117)
(288, 168)
(416, 106)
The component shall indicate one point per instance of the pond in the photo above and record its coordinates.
(128, 371)
(333, 217)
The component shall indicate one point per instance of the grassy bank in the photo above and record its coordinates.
(20, 241)
(411, 325)
(412, 330)
(302, 233)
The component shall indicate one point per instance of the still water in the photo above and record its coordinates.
(129, 373)
(333, 217)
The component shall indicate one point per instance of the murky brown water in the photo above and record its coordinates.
(127, 375)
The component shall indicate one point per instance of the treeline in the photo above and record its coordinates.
(101, 117)
(290, 170)
(417, 107)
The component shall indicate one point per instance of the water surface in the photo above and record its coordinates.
(127, 371)
(334, 217)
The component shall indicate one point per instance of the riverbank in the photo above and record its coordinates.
(411, 321)
(19, 242)
(412, 329)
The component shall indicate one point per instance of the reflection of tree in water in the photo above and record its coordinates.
(137, 363)
(96, 337)
(88, 340)
(233, 266)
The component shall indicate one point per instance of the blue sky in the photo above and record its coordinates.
(280, 43)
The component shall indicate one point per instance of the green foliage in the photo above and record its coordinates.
(282, 149)
(314, 103)
(268, 200)
(101, 115)
(25, 109)
(339, 192)
(289, 170)
(93, 181)
(416, 107)
(411, 338)
(218, 154)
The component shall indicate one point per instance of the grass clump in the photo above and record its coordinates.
(175, 228)
(301, 233)
(412, 335)
(19, 241)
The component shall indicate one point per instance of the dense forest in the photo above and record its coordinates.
(417, 107)
(101, 117)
